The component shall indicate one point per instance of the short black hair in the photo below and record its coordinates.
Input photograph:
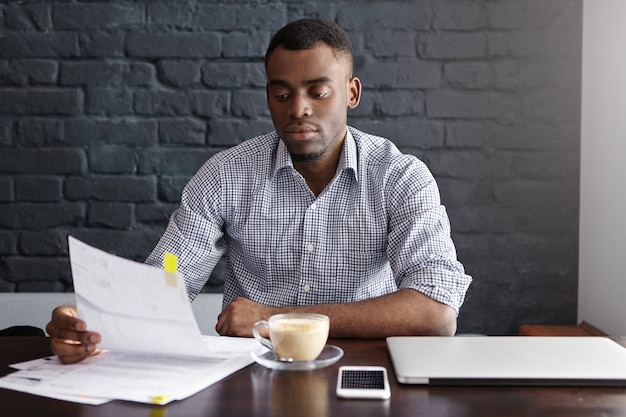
(306, 33)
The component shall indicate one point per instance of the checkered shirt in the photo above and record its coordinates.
(377, 227)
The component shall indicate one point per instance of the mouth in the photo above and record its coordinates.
(300, 132)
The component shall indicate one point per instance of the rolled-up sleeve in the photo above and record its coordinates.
(421, 250)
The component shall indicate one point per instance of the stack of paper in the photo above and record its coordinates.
(154, 352)
(130, 376)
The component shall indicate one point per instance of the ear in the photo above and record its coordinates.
(354, 92)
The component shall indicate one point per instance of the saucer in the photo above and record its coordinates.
(329, 355)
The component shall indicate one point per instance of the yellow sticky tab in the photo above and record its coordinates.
(170, 262)
(159, 399)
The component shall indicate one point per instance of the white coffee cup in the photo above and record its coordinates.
(294, 336)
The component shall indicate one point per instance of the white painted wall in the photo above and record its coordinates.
(602, 273)
(35, 309)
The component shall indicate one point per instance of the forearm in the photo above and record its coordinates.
(402, 313)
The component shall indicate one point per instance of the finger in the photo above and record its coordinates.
(70, 351)
(69, 358)
(246, 331)
(221, 328)
(226, 326)
(71, 335)
(65, 318)
(232, 329)
(68, 346)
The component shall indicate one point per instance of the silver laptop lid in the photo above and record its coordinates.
(508, 360)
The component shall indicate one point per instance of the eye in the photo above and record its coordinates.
(319, 94)
(280, 94)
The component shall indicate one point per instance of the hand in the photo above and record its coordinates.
(69, 338)
(238, 318)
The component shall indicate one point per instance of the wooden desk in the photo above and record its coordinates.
(582, 329)
(256, 391)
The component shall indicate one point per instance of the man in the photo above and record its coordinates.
(316, 216)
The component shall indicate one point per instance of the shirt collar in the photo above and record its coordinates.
(347, 161)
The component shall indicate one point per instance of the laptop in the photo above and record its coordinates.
(508, 360)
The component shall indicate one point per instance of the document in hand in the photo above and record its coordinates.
(135, 307)
(154, 352)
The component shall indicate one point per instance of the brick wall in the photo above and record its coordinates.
(108, 108)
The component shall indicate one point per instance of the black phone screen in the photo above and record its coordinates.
(362, 379)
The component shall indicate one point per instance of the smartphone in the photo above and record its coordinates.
(365, 382)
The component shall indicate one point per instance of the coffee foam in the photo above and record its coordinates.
(298, 325)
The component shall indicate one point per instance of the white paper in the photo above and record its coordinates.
(135, 307)
(35, 373)
(130, 376)
(153, 350)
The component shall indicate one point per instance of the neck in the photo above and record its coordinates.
(317, 177)
(320, 173)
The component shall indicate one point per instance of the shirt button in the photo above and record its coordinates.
(310, 248)
(307, 288)
(313, 206)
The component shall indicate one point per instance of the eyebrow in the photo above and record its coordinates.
(306, 83)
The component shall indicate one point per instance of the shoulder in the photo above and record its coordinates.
(244, 163)
(380, 156)
(260, 147)
(253, 155)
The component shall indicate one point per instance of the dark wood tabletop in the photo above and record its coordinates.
(257, 391)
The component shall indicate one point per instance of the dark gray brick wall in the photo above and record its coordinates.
(108, 108)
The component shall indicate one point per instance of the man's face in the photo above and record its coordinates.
(309, 93)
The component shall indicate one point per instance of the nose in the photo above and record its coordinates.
(300, 107)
